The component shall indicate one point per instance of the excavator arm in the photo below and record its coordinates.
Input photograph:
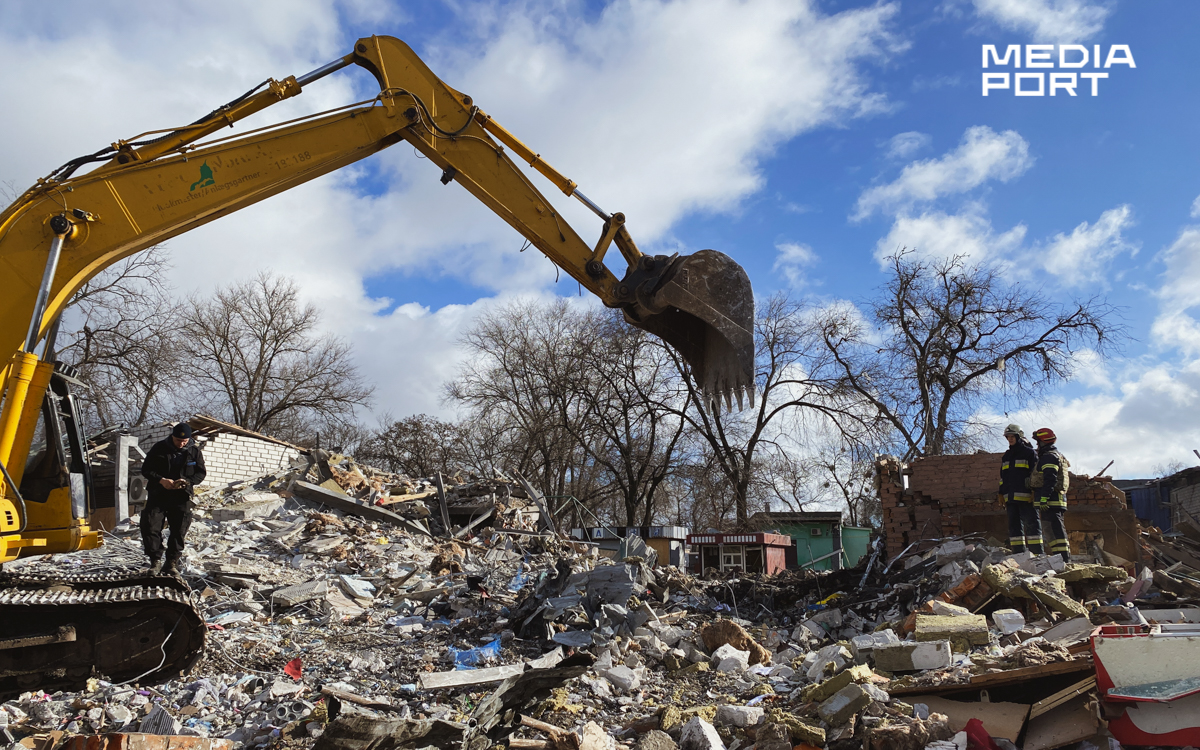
(68, 228)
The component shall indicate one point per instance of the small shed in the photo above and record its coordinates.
(667, 541)
(821, 541)
(755, 552)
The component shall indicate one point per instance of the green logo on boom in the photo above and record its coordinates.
(206, 178)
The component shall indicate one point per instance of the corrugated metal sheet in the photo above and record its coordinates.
(1151, 503)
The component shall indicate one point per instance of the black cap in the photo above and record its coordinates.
(182, 430)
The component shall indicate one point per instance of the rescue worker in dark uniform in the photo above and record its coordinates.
(173, 467)
(1051, 498)
(1024, 526)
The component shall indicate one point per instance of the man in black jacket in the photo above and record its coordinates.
(1024, 526)
(173, 467)
(1051, 499)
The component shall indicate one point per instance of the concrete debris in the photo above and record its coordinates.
(346, 610)
(698, 734)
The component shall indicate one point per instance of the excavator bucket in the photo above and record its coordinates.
(703, 306)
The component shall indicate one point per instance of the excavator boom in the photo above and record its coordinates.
(139, 192)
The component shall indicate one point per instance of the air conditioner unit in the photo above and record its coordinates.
(814, 532)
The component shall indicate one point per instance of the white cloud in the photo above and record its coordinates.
(1064, 21)
(793, 261)
(1176, 326)
(622, 101)
(983, 155)
(602, 97)
(1083, 256)
(904, 145)
(1078, 259)
(1195, 213)
(1152, 421)
(935, 234)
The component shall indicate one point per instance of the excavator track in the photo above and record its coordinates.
(56, 631)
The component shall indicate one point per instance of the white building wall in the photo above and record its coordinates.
(228, 457)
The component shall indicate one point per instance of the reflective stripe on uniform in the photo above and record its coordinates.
(1017, 542)
(1022, 464)
(1023, 496)
(1050, 466)
(1004, 466)
(1060, 545)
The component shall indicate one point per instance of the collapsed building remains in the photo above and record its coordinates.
(947, 496)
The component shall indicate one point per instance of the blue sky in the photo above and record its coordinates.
(803, 139)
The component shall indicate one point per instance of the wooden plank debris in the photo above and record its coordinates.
(410, 497)
(441, 680)
(1062, 696)
(441, 496)
(996, 679)
(545, 520)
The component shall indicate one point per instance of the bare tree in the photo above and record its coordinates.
(945, 337)
(255, 358)
(578, 399)
(626, 384)
(519, 382)
(117, 331)
(844, 475)
(418, 446)
(793, 374)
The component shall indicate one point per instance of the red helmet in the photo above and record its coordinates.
(1044, 435)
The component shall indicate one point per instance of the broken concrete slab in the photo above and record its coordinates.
(623, 678)
(311, 493)
(823, 691)
(290, 596)
(800, 731)
(359, 728)
(1075, 573)
(727, 658)
(257, 505)
(864, 645)
(739, 716)
(698, 734)
(911, 657)
(962, 632)
(848, 701)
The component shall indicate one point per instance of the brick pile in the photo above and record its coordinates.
(942, 489)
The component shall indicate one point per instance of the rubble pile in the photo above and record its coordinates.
(362, 613)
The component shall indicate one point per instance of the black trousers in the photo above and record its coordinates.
(1053, 521)
(178, 516)
(1024, 527)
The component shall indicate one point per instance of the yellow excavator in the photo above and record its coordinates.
(56, 631)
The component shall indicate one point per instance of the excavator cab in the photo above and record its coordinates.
(57, 454)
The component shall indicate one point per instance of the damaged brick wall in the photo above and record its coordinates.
(233, 458)
(227, 457)
(953, 495)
